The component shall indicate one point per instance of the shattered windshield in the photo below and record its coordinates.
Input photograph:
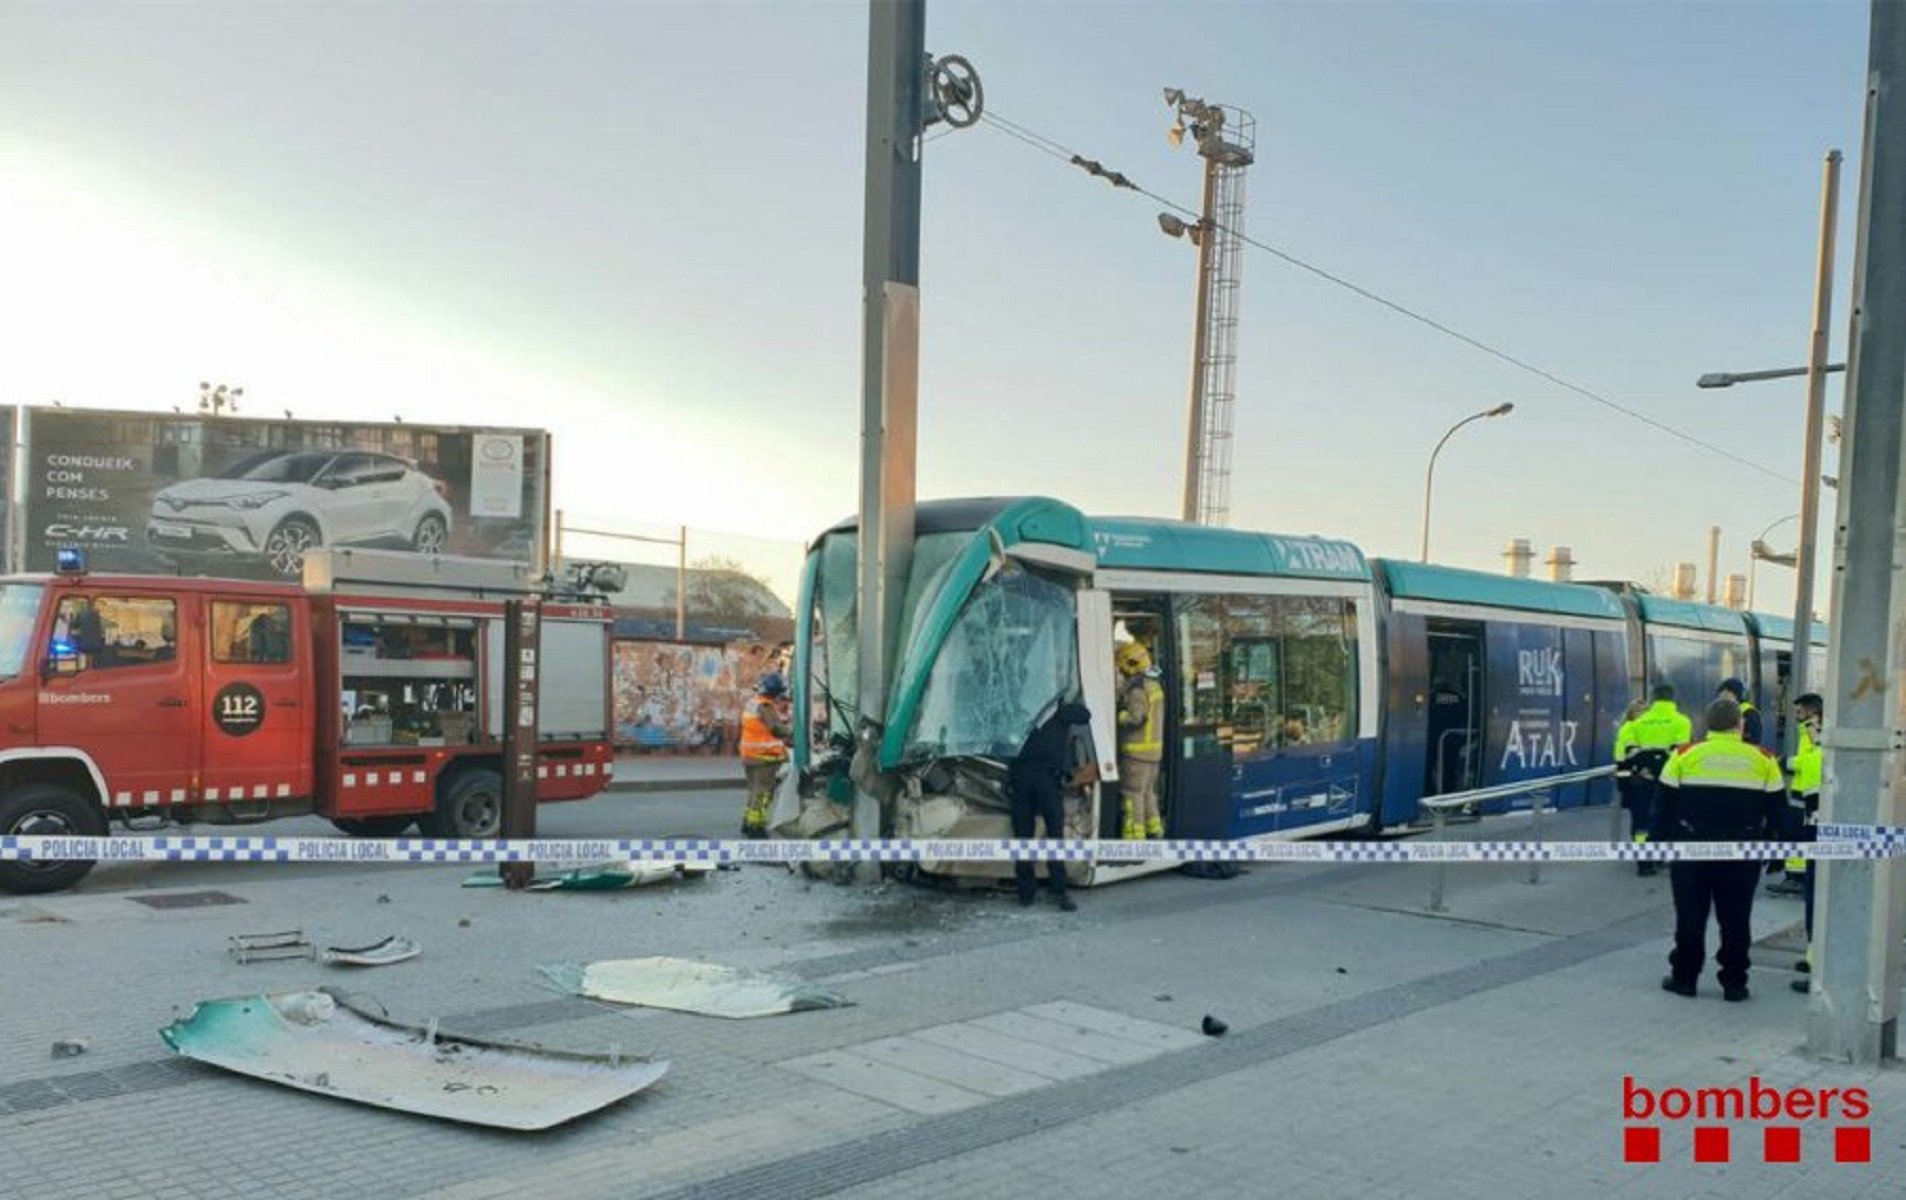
(1010, 655)
(19, 608)
(835, 651)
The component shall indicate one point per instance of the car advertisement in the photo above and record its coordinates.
(231, 496)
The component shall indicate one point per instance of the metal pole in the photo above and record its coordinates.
(1429, 477)
(1815, 429)
(522, 636)
(890, 280)
(558, 538)
(1713, 558)
(1200, 344)
(681, 586)
(1854, 1013)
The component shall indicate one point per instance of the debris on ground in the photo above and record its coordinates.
(263, 947)
(683, 985)
(319, 1041)
(604, 877)
(1213, 1027)
(1163, 997)
(378, 954)
(69, 1047)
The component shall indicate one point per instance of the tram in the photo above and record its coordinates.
(1309, 690)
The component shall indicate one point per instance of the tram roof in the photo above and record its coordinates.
(1660, 610)
(1152, 545)
(1454, 585)
(1781, 628)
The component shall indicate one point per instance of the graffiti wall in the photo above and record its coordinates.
(677, 698)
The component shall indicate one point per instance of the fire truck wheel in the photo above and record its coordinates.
(373, 827)
(470, 806)
(49, 810)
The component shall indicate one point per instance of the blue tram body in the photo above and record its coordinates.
(1308, 689)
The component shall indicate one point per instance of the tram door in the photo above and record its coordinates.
(1141, 619)
(1454, 758)
(1198, 732)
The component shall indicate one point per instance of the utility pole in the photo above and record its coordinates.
(906, 91)
(1811, 454)
(1854, 1011)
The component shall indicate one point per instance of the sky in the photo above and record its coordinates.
(638, 224)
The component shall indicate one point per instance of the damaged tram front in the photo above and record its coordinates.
(1012, 607)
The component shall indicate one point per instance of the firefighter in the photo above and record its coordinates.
(764, 733)
(1641, 749)
(1037, 779)
(1141, 742)
(1803, 808)
(1719, 789)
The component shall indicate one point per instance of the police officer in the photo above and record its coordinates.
(1720, 789)
(764, 733)
(1750, 716)
(1036, 781)
(1642, 747)
(1807, 768)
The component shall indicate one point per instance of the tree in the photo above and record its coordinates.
(719, 586)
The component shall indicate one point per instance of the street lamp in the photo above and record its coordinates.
(1429, 476)
(1757, 553)
(1726, 379)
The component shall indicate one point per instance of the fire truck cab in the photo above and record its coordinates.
(372, 696)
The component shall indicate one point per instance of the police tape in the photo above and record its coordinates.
(1844, 842)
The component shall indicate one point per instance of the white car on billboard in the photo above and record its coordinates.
(273, 507)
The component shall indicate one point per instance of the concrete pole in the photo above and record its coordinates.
(1713, 560)
(681, 586)
(1200, 346)
(1854, 1013)
(1811, 455)
(890, 372)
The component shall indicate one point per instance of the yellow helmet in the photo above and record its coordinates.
(1134, 659)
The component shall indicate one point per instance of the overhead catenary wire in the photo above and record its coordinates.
(1063, 153)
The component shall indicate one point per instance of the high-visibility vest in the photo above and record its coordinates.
(1808, 765)
(1719, 789)
(758, 743)
(1146, 741)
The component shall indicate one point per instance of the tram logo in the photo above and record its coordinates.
(1785, 1118)
(1539, 672)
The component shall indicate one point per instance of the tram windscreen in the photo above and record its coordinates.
(834, 648)
(1011, 654)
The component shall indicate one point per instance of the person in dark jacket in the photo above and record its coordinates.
(1719, 789)
(1036, 779)
(1735, 690)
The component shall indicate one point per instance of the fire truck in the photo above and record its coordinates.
(372, 695)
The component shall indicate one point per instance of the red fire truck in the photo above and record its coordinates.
(372, 696)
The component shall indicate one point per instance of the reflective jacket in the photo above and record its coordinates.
(1719, 789)
(1807, 765)
(762, 731)
(1141, 719)
(1661, 726)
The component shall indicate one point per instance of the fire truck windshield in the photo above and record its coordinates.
(19, 609)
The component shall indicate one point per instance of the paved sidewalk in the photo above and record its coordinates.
(1374, 1050)
(676, 773)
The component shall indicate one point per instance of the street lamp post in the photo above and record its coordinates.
(1816, 371)
(1429, 476)
(1757, 553)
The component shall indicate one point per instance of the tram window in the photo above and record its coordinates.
(1279, 670)
(1012, 653)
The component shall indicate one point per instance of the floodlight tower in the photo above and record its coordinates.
(1226, 138)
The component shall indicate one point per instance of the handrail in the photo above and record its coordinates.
(1503, 790)
(1438, 805)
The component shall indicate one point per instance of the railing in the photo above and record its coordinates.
(1538, 788)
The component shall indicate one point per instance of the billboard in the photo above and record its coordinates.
(232, 496)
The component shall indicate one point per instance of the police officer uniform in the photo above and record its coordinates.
(1036, 780)
(1642, 747)
(1720, 789)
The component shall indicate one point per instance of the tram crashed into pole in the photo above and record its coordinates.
(1308, 690)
